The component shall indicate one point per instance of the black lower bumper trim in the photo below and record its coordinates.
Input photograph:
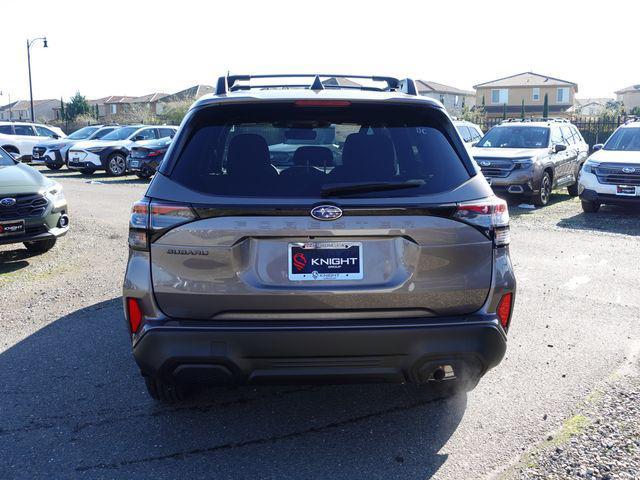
(593, 196)
(319, 355)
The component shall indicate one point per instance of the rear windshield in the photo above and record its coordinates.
(625, 139)
(292, 151)
(516, 137)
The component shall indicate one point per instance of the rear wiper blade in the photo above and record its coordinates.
(363, 187)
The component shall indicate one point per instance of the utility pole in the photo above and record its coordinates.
(29, 43)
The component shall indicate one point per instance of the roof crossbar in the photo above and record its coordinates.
(230, 83)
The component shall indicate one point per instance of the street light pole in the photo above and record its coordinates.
(29, 43)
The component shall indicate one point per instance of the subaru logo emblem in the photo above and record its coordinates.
(484, 163)
(628, 170)
(8, 202)
(326, 212)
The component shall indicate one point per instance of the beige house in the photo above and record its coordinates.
(630, 97)
(509, 92)
(44, 110)
(454, 99)
(122, 107)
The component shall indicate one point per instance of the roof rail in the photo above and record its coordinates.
(230, 83)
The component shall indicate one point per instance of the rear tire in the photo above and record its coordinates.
(590, 207)
(40, 246)
(54, 167)
(144, 175)
(164, 392)
(541, 198)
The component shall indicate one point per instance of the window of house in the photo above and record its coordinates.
(113, 109)
(456, 100)
(500, 95)
(563, 95)
(535, 95)
(442, 98)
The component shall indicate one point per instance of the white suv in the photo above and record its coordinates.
(470, 132)
(19, 138)
(110, 152)
(612, 174)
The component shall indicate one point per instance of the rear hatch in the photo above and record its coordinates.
(365, 229)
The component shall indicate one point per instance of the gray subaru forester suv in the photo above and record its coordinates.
(379, 254)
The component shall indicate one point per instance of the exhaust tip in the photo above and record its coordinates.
(439, 374)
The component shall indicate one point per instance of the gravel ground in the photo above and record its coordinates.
(72, 404)
(601, 442)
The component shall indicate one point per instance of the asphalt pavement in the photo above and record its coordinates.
(72, 404)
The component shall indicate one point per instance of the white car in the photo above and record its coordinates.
(612, 174)
(110, 153)
(469, 132)
(19, 138)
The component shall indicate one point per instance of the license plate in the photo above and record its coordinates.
(134, 163)
(628, 190)
(325, 261)
(12, 228)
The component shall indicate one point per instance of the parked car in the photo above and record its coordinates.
(111, 152)
(33, 209)
(470, 132)
(19, 138)
(532, 157)
(54, 152)
(144, 158)
(612, 174)
(392, 266)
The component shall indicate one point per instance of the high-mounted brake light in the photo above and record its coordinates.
(490, 215)
(322, 103)
(135, 314)
(504, 309)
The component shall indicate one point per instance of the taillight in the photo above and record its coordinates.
(504, 309)
(135, 314)
(150, 220)
(490, 215)
(155, 153)
(138, 226)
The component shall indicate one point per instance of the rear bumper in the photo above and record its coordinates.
(400, 352)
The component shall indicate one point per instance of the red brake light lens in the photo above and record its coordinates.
(135, 314)
(504, 309)
(490, 215)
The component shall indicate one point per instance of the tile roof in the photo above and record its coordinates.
(429, 86)
(629, 89)
(527, 79)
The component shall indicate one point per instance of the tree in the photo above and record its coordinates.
(545, 106)
(77, 106)
(522, 110)
(504, 111)
(635, 111)
(62, 111)
(96, 111)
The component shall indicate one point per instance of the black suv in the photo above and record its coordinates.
(377, 252)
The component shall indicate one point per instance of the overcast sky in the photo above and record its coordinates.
(118, 47)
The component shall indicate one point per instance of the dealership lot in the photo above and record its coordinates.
(70, 391)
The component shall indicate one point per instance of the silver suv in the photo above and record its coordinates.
(532, 157)
(379, 254)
